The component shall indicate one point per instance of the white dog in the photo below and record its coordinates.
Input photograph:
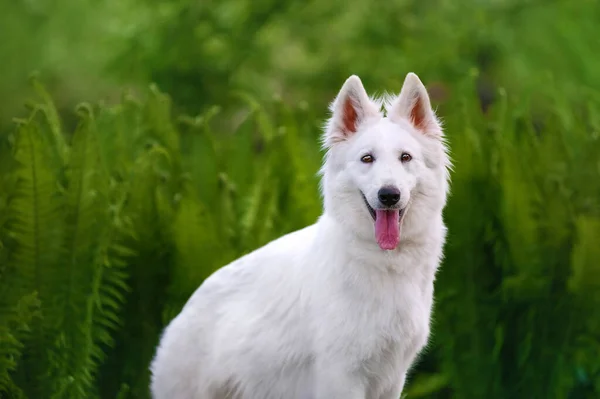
(340, 309)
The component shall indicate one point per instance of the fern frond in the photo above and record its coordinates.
(250, 220)
(35, 230)
(158, 118)
(83, 204)
(51, 121)
(92, 277)
(198, 251)
(14, 329)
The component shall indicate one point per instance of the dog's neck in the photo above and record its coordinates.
(350, 241)
(334, 239)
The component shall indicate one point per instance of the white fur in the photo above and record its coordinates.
(324, 312)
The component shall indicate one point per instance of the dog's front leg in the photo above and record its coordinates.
(334, 383)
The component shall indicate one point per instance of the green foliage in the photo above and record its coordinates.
(520, 193)
(108, 231)
(111, 216)
(15, 327)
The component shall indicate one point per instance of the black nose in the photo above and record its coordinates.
(389, 196)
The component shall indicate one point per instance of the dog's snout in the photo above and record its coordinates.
(389, 196)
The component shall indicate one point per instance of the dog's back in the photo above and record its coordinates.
(221, 343)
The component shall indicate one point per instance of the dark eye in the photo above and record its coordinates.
(367, 158)
(405, 157)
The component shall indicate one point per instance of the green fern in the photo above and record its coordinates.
(14, 329)
(35, 230)
(198, 251)
(72, 378)
(51, 122)
(93, 281)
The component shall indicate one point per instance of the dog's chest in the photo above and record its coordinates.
(397, 321)
(381, 326)
(393, 336)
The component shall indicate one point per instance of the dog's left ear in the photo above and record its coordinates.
(413, 104)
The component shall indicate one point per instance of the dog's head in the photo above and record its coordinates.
(384, 175)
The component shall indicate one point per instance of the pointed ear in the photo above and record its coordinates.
(349, 109)
(413, 104)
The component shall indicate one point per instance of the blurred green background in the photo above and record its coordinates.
(162, 139)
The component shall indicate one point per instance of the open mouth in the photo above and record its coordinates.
(374, 213)
(388, 222)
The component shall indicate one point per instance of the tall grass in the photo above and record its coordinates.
(108, 229)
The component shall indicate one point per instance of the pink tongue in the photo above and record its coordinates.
(387, 229)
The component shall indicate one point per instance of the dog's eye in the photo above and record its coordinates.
(367, 158)
(405, 157)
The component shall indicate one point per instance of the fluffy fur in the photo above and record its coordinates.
(325, 312)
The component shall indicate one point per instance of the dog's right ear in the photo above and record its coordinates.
(349, 109)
